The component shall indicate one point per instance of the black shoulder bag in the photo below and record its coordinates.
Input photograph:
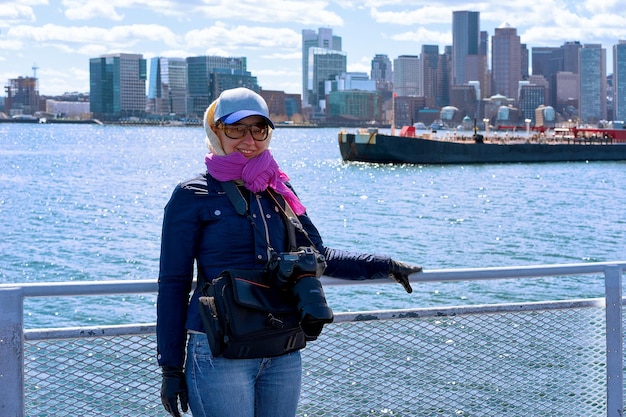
(269, 312)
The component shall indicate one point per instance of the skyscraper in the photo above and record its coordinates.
(552, 61)
(324, 65)
(619, 81)
(208, 76)
(117, 86)
(323, 39)
(167, 85)
(506, 61)
(381, 69)
(592, 82)
(466, 40)
(406, 76)
(431, 74)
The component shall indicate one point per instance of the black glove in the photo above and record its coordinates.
(399, 272)
(173, 388)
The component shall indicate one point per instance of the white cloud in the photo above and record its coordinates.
(92, 9)
(11, 45)
(428, 15)
(364, 64)
(423, 36)
(223, 37)
(312, 12)
(115, 36)
(15, 12)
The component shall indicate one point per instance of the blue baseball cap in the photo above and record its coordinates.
(238, 103)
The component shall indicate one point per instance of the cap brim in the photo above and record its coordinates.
(242, 114)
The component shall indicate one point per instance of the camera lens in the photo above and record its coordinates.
(311, 301)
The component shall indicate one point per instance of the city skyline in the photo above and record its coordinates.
(55, 40)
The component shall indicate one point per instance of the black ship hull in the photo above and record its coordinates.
(383, 148)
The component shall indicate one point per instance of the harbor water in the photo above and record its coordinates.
(85, 203)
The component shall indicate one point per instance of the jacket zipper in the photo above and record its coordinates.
(265, 226)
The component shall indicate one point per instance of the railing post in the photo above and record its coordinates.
(11, 352)
(614, 358)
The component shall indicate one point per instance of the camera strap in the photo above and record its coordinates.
(290, 218)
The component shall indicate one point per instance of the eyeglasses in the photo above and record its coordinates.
(259, 132)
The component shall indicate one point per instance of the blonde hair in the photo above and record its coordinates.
(212, 141)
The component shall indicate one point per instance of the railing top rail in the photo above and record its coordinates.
(340, 317)
(476, 274)
(72, 288)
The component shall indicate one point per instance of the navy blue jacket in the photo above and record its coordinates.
(201, 227)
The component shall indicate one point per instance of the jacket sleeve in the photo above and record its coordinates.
(345, 264)
(179, 239)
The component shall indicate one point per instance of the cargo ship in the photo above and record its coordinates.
(560, 145)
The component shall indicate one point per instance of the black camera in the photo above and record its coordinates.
(289, 267)
(299, 271)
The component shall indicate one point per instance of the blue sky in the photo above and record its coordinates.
(59, 37)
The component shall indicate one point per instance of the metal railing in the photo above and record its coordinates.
(548, 358)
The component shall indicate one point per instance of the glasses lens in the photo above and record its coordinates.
(238, 131)
(258, 132)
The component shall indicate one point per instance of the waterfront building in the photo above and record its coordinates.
(466, 40)
(282, 106)
(382, 74)
(68, 109)
(592, 83)
(323, 39)
(22, 96)
(477, 71)
(619, 81)
(545, 116)
(224, 79)
(571, 52)
(117, 86)
(353, 107)
(167, 86)
(352, 81)
(445, 68)
(506, 61)
(382, 71)
(551, 62)
(466, 99)
(208, 76)
(431, 73)
(468, 54)
(407, 76)
(531, 96)
(324, 65)
(410, 109)
(547, 62)
(567, 94)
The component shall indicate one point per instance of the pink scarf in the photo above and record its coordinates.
(257, 174)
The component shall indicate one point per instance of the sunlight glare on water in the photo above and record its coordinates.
(85, 203)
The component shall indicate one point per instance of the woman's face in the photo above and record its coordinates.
(248, 128)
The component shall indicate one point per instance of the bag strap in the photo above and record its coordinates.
(290, 218)
(235, 196)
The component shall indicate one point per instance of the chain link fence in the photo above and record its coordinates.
(539, 359)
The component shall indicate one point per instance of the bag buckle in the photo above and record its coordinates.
(275, 321)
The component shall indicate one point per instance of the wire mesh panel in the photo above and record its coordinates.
(544, 363)
(101, 376)
(539, 363)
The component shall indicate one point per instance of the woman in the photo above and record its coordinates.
(202, 226)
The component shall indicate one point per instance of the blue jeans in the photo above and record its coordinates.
(220, 387)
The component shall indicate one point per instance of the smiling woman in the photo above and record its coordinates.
(241, 220)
